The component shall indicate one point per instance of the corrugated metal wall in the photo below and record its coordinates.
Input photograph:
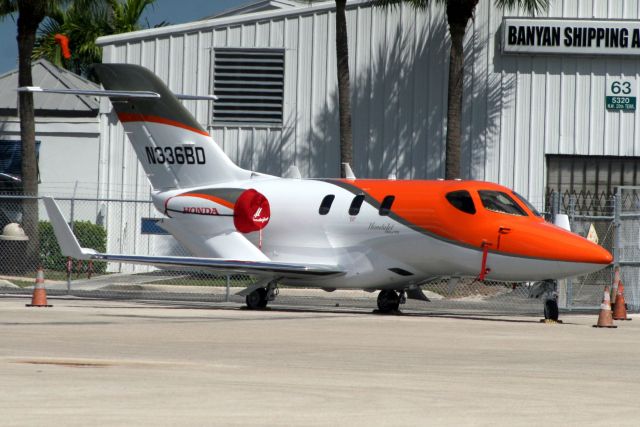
(517, 108)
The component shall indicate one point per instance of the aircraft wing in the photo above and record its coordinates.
(70, 247)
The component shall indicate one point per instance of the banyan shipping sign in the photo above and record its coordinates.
(570, 36)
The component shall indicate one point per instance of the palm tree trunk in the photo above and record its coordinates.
(31, 13)
(459, 12)
(344, 91)
(454, 109)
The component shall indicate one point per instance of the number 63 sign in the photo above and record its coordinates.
(621, 94)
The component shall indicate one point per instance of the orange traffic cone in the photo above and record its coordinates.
(39, 298)
(604, 319)
(620, 312)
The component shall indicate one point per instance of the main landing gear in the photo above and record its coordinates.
(389, 300)
(260, 297)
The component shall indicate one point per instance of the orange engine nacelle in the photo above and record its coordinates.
(251, 212)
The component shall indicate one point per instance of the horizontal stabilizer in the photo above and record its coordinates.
(70, 247)
(116, 93)
(111, 93)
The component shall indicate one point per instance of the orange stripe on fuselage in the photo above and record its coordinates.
(423, 206)
(136, 117)
(214, 199)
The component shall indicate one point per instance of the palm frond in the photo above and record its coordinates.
(532, 7)
(7, 8)
(418, 4)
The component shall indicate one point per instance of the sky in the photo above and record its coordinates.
(171, 11)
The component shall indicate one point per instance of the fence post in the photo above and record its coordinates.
(617, 208)
(572, 208)
(226, 297)
(569, 284)
(555, 205)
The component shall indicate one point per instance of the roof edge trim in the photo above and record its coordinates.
(222, 22)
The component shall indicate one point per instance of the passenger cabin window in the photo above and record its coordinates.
(325, 206)
(462, 200)
(354, 209)
(385, 207)
(527, 204)
(498, 201)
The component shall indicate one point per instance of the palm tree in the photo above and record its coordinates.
(344, 86)
(83, 23)
(459, 12)
(30, 15)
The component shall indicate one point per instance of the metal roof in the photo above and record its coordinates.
(244, 18)
(255, 6)
(47, 75)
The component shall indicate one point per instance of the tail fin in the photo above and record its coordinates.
(174, 150)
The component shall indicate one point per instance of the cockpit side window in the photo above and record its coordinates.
(497, 201)
(527, 204)
(462, 200)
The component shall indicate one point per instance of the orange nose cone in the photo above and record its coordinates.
(544, 240)
(601, 255)
(573, 247)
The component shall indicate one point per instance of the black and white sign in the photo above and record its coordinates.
(570, 36)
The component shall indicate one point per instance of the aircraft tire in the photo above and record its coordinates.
(551, 311)
(257, 299)
(388, 301)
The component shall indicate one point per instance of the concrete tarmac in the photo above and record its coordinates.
(106, 363)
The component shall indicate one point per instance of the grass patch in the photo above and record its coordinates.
(204, 280)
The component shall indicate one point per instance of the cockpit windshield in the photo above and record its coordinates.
(527, 204)
(497, 201)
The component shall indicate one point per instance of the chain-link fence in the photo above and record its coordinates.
(128, 226)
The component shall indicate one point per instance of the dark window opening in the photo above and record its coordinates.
(325, 206)
(385, 207)
(11, 165)
(586, 184)
(527, 204)
(462, 200)
(354, 209)
(498, 201)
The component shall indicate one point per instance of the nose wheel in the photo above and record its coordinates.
(551, 311)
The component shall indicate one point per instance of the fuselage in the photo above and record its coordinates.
(384, 233)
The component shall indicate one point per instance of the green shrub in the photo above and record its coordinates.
(89, 236)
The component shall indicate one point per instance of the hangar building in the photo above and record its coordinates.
(534, 117)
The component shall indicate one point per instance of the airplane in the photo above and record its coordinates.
(391, 236)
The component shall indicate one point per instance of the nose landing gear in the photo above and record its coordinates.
(547, 291)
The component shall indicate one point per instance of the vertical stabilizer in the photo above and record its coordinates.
(173, 148)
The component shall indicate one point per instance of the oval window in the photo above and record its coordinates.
(325, 206)
(385, 206)
(354, 209)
